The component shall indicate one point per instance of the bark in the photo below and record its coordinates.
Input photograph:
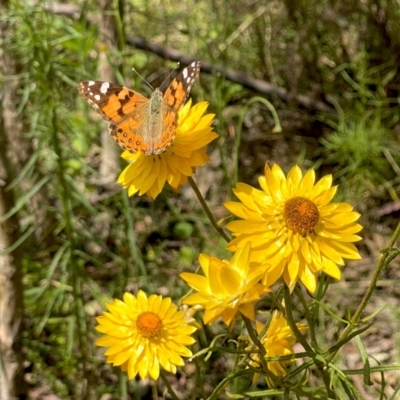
(11, 295)
(108, 38)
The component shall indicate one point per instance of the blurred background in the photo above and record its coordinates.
(70, 237)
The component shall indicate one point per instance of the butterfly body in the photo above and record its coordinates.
(138, 123)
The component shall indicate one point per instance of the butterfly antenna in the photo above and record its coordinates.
(177, 66)
(141, 77)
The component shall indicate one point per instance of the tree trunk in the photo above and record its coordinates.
(11, 296)
(108, 35)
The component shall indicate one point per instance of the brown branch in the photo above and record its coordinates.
(258, 85)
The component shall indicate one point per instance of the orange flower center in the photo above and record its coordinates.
(300, 215)
(149, 324)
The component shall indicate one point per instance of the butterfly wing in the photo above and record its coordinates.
(123, 108)
(173, 99)
(179, 89)
(135, 122)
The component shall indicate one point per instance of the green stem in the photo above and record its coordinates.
(131, 237)
(207, 210)
(254, 337)
(69, 234)
(292, 323)
(168, 386)
(257, 342)
(238, 136)
(321, 367)
(380, 266)
(123, 385)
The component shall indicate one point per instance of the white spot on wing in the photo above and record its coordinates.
(104, 87)
(97, 97)
(91, 83)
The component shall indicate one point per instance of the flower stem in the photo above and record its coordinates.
(321, 367)
(168, 386)
(254, 337)
(292, 323)
(383, 261)
(207, 210)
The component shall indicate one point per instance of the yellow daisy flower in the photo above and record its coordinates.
(149, 173)
(292, 226)
(228, 287)
(145, 333)
(278, 341)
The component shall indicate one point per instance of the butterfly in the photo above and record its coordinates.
(138, 123)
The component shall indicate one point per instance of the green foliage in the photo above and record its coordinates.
(83, 243)
(363, 147)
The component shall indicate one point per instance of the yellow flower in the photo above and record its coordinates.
(149, 173)
(278, 341)
(145, 333)
(227, 287)
(292, 226)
